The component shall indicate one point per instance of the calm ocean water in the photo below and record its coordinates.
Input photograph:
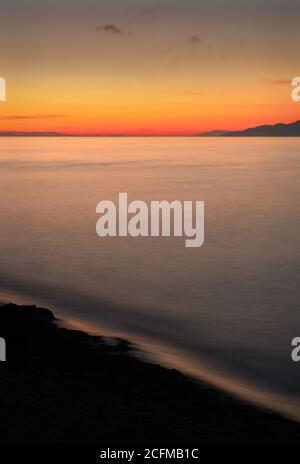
(225, 312)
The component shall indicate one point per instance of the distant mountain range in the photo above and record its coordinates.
(277, 130)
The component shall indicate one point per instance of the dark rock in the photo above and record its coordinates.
(64, 386)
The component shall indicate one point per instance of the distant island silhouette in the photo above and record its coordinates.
(213, 133)
(276, 130)
(30, 134)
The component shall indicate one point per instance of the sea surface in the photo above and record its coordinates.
(225, 312)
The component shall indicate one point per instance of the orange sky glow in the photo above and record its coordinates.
(105, 68)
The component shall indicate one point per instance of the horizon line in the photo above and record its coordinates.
(213, 132)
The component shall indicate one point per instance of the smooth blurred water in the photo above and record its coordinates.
(226, 311)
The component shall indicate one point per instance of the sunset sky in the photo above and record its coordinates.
(147, 67)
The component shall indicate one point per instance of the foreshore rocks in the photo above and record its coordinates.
(64, 386)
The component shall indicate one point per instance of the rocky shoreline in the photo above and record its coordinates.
(64, 386)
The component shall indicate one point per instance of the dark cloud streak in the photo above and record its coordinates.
(278, 81)
(109, 29)
(16, 117)
(194, 39)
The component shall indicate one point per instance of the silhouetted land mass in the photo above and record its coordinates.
(277, 130)
(213, 133)
(64, 386)
(29, 134)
